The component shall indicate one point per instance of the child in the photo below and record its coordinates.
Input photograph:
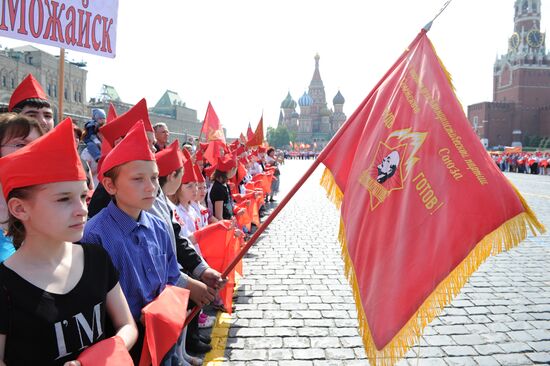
(91, 139)
(16, 131)
(54, 293)
(199, 202)
(113, 132)
(136, 240)
(220, 202)
(30, 100)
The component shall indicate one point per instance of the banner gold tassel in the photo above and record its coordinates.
(505, 237)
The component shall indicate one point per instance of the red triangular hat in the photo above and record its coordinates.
(110, 351)
(120, 126)
(169, 159)
(55, 150)
(198, 174)
(105, 149)
(29, 88)
(188, 171)
(112, 114)
(226, 163)
(133, 147)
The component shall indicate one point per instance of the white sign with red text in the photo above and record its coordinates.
(81, 25)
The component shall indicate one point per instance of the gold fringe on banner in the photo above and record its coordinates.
(505, 237)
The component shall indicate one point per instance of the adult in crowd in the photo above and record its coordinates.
(162, 134)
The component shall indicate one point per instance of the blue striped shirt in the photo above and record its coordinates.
(140, 250)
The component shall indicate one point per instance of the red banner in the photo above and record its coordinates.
(257, 138)
(80, 25)
(422, 203)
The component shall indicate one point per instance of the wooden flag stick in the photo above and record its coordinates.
(61, 84)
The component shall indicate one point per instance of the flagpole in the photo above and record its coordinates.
(61, 84)
(307, 174)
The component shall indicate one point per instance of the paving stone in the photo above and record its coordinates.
(540, 346)
(325, 342)
(488, 349)
(468, 339)
(515, 347)
(522, 336)
(264, 342)
(439, 340)
(235, 343)
(313, 332)
(459, 350)
(461, 361)
(540, 357)
(248, 355)
(451, 329)
(279, 354)
(295, 363)
(512, 360)
(308, 354)
(339, 353)
(486, 361)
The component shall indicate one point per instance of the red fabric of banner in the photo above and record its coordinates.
(419, 191)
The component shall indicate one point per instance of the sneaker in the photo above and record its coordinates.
(206, 321)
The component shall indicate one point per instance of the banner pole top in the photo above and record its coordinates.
(428, 26)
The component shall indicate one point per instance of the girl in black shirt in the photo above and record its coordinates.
(54, 294)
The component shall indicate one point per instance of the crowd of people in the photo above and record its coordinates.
(523, 162)
(95, 242)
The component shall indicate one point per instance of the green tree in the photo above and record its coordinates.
(278, 137)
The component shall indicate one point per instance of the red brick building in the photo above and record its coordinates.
(520, 111)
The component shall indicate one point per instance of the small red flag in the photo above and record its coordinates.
(110, 351)
(164, 318)
(422, 203)
(249, 132)
(211, 127)
(258, 137)
(218, 245)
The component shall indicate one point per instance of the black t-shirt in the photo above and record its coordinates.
(43, 328)
(220, 192)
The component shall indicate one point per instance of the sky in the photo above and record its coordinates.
(245, 55)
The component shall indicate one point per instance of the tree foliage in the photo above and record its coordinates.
(278, 137)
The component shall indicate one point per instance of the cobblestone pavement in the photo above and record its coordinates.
(295, 306)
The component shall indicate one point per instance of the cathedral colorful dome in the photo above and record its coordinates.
(338, 98)
(305, 100)
(288, 103)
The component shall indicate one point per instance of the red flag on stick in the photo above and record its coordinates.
(164, 319)
(219, 247)
(213, 131)
(211, 127)
(257, 138)
(416, 192)
(249, 132)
